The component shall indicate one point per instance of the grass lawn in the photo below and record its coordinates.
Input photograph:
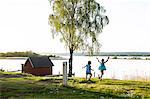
(22, 86)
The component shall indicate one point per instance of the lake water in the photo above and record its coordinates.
(116, 68)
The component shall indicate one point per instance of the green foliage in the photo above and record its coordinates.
(147, 58)
(135, 58)
(19, 54)
(78, 22)
(115, 57)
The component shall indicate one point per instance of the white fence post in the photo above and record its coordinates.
(65, 73)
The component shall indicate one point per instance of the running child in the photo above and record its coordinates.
(88, 69)
(102, 67)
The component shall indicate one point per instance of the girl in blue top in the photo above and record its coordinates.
(102, 67)
(88, 69)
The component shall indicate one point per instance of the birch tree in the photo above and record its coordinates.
(78, 23)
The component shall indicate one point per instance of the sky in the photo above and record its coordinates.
(24, 26)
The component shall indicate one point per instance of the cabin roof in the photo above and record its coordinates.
(43, 61)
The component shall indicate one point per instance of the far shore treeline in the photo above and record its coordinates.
(22, 54)
(109, 54)
(33, 54)
(123, 54)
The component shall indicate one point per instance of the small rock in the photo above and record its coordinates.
(73, 91)
(101, 97)
(81, 93)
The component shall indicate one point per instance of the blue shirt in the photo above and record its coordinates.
(88, 68)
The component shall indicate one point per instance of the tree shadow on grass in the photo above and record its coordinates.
(51, 80)
(88, 81)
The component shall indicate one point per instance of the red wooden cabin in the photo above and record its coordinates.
(39, 66)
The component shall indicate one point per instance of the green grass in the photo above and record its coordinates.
(31, 87)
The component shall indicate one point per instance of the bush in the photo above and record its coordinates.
(115, 57)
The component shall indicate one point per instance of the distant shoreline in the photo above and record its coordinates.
(25, 55)
(24, 58)
(107, 54)
(13, 58)
(62, 58)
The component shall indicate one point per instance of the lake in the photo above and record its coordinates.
(116, 68)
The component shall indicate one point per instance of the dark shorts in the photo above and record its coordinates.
(88, 73)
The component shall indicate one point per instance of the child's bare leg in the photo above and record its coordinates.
(90, 76)
(98, 76)
(102, 73)
(86, 76)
